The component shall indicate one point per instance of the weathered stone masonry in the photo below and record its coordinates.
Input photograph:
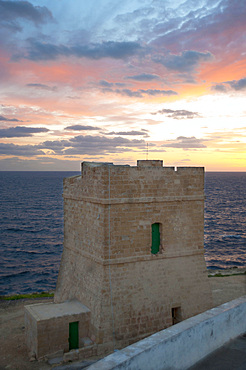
(107, 263)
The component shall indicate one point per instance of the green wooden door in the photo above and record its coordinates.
(155, 238)
(73, 335)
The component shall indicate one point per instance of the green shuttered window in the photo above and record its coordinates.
(73, 335)
(155, 238)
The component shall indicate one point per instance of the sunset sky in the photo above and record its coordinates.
(117, 81)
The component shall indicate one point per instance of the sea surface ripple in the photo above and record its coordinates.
(31, 228)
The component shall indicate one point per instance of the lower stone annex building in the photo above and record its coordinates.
(133, 258)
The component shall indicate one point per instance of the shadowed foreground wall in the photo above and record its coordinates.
(184, 344)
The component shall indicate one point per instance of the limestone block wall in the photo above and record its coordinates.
(108, 213)
(83, 279)
(145, 292)
(130, 227)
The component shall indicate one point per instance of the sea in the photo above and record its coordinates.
(31, 227)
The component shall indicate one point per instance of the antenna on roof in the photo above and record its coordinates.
(147, 151)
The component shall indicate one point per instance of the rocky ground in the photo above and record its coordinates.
(14, 354)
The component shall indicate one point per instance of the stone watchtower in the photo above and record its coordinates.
(133, 253)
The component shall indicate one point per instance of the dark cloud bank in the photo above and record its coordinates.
(5, 119)
(81, 128)
(13, 11)
(144, 77)
(97, 145)
(187, 61)
(21, 131)
(236, 85)
(178, 114)
(129, 133)
(183, 142)
(139, 93)
(38, 51)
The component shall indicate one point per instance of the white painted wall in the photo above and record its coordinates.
(183, 344)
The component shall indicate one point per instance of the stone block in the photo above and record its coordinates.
(71, 356)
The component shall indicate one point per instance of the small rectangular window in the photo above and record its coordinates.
(155, 247)
(176, 315)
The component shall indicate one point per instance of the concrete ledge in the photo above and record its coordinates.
(134, 200)
(145, 257)
(183, 344)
